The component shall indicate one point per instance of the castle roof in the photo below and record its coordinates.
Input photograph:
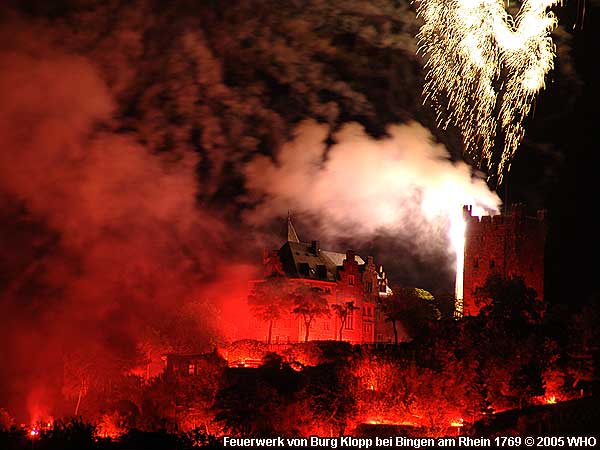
(307, 260)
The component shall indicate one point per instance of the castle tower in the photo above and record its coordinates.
(510, 244)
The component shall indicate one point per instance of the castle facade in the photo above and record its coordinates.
(344, 279)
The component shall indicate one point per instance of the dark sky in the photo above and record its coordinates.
(568, 134)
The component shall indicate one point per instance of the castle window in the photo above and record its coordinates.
(192, 369)
(476, 264)
(492, 264)
(369, 286)
(304, 269)
(322, 271)
(351, 280)
(349, 322)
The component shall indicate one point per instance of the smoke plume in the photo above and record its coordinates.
(403, 185)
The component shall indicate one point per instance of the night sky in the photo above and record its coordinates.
(137, 176)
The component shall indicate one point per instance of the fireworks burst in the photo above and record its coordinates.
(486, 67)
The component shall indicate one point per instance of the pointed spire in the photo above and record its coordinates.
(292, 236)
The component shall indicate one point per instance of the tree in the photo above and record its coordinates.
(511, 302)
(248, 406)
(343, 311)
(327, 402)
(527, 382)
(269, 300)
(309, 303)
(414, 307)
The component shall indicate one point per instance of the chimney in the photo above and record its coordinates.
(315, 247)
(350, 256)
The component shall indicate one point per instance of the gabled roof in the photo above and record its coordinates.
(307, 260)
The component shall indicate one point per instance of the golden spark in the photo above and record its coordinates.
(486, 68)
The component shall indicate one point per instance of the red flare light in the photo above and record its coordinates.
(457, 422)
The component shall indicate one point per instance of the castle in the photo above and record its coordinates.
(344, 279)
(510, 244)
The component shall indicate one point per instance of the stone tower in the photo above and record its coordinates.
(510, 244)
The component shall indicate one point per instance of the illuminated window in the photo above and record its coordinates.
(349, 322)
(192, 369)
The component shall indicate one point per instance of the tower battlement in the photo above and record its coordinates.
(510, 244)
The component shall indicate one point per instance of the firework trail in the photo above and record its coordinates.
(486, 68)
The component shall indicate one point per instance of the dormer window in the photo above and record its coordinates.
(304, 269)
(322, 271)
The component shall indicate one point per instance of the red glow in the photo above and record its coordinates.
(391, 422)
(457, 422)
(109, 427)
(551, 400)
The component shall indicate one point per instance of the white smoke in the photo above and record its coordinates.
(403, 184)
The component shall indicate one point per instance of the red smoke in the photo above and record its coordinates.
(109, 258)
